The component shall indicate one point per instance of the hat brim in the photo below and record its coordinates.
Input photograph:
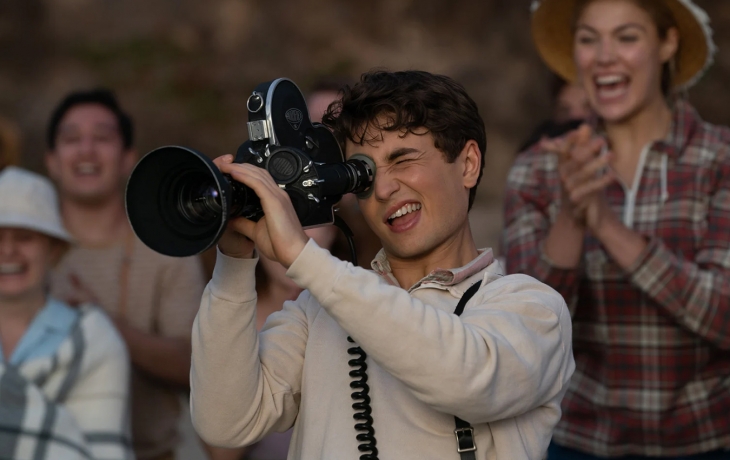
(20, 221)
(552, 32)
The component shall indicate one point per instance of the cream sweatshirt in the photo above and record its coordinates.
(503, 365)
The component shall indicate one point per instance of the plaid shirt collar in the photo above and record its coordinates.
(685, 122)
(440, 277)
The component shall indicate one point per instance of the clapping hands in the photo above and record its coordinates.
(585, 172)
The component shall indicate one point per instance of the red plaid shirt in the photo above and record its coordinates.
(651, 344)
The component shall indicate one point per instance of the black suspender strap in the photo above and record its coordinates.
(466, 297)
(465, 443)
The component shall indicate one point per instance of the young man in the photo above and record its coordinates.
(502, 366)
(147, 295)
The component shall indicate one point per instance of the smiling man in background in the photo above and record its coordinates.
(150, 297)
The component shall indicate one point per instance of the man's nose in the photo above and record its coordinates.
(87, 145)
(384, 185)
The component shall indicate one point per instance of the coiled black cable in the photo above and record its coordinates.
(361, 395)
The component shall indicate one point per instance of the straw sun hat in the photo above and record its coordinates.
(28, 200)
(553, 36)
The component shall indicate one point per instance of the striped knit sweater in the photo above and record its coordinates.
(73, 404)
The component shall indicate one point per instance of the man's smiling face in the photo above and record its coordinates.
(420, 201)
(89, 161)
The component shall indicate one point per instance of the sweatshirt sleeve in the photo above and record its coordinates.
(508, 353)
(241, 390)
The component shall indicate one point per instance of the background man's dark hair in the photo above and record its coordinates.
(101, 96)
(411, 101)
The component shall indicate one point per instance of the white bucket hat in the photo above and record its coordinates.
(29, 200)
(553, 36)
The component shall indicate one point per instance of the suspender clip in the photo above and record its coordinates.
(465, 440)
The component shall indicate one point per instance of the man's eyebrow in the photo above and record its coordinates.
(397, 153)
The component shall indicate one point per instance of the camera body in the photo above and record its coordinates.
(178, 202)
(298, 154)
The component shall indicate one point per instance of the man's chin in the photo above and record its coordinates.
(88, 197)
(406, 253)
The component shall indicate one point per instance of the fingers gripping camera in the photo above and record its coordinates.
(179, 203)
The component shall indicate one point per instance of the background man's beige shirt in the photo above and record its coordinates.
(162, 298)
(503, 365)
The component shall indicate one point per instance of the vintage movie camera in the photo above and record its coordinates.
(179, 203)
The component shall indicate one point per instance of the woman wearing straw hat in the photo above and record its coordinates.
(629, 219)
(64, 372)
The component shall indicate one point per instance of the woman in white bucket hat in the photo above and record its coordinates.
(64, 372)
(629, 219)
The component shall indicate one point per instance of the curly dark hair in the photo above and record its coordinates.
(412, 101)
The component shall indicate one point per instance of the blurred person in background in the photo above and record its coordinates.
(570, 108)
(9, 143)
(322, 93)
(367, 244)
(64, 371)
(150, 297)
(629, 218)
(570, 101)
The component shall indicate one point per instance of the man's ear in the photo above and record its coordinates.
(129, 160)
(472, 159)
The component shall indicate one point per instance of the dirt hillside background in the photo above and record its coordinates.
(184, 68)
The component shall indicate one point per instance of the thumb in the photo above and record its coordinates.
(584, 133)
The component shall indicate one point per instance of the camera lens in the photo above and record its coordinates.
(199, 202)
(178, 201)
(362, 170)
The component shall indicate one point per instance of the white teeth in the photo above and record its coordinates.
(609, 79)
(405, 210)
(10, 269)
(86, 168)
(611, 93)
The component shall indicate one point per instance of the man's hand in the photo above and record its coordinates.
(278, 235)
